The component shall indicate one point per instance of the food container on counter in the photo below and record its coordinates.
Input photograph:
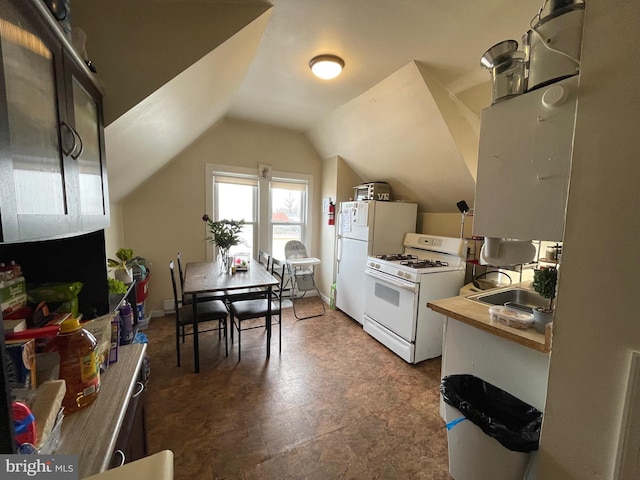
(510, 317)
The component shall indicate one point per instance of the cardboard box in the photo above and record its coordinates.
(20, 359)
(13, 296)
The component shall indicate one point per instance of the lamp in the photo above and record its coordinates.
(326, 66)
(462, 206)
(464, 210)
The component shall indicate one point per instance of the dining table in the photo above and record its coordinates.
(207, 277)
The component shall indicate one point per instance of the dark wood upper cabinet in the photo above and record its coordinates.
(52, 157)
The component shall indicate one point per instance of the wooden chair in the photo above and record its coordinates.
(242, 310)
(213, 310)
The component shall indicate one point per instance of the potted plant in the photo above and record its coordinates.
(122, 267)
(544, 282)
(224, 234)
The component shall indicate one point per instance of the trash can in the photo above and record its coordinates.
(490, 433)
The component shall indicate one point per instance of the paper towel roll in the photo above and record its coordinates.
(509, 252)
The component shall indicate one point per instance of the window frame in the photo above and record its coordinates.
(263, 228)
(304, 208)
(251, 182)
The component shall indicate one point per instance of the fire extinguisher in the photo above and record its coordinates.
(332, 213)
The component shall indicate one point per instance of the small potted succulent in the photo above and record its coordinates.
(544, 282)
(122, 267)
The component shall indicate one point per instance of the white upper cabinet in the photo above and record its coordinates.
(524, 164)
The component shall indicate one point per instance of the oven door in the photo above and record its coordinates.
(392, 302)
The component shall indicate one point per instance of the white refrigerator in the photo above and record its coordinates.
(367, 228)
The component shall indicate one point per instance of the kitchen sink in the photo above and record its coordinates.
(517, 296)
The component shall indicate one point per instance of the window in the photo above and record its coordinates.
(275, 210)
(288, 213)
(235, 198)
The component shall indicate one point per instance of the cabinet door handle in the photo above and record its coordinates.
(78, 146)
(77, 155)
(123, 457)
(69, 130)
(140, 390)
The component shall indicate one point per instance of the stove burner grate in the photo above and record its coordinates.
(424, 263)
(397, 256)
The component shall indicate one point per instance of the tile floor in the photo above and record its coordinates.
(334, 404)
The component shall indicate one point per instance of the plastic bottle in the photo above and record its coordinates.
(126, 323)
(78, 364)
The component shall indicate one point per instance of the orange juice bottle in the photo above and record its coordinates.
(79, 366)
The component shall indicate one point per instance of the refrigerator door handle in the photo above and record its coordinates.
(339, 251)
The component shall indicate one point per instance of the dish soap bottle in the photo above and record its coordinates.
(78, 364)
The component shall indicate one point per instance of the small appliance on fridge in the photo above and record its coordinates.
(367, 228)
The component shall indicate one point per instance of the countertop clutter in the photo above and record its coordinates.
(477, 315)
(92, 432)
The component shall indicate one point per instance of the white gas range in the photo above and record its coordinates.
(398, 287)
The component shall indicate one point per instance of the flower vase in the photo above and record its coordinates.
(225, 260)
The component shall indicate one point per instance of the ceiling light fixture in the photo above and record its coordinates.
(326, 66)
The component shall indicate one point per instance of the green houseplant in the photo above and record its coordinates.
(116, 286)
(224, 234)
(122, 267)
(544, 283)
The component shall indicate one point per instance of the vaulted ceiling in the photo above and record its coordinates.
(405, 110)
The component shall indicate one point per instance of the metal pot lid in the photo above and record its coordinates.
(554, 8)
(507, 60)
(494, 55)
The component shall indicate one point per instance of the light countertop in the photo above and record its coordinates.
(91, 432)
(154, 467)
(476, 314)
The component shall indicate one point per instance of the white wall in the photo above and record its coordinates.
(325, 272)
(444, 224)
(338, 180)
(114, 235)
(164, 215)
(597, 317)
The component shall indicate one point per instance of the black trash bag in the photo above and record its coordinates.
(512, 422)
